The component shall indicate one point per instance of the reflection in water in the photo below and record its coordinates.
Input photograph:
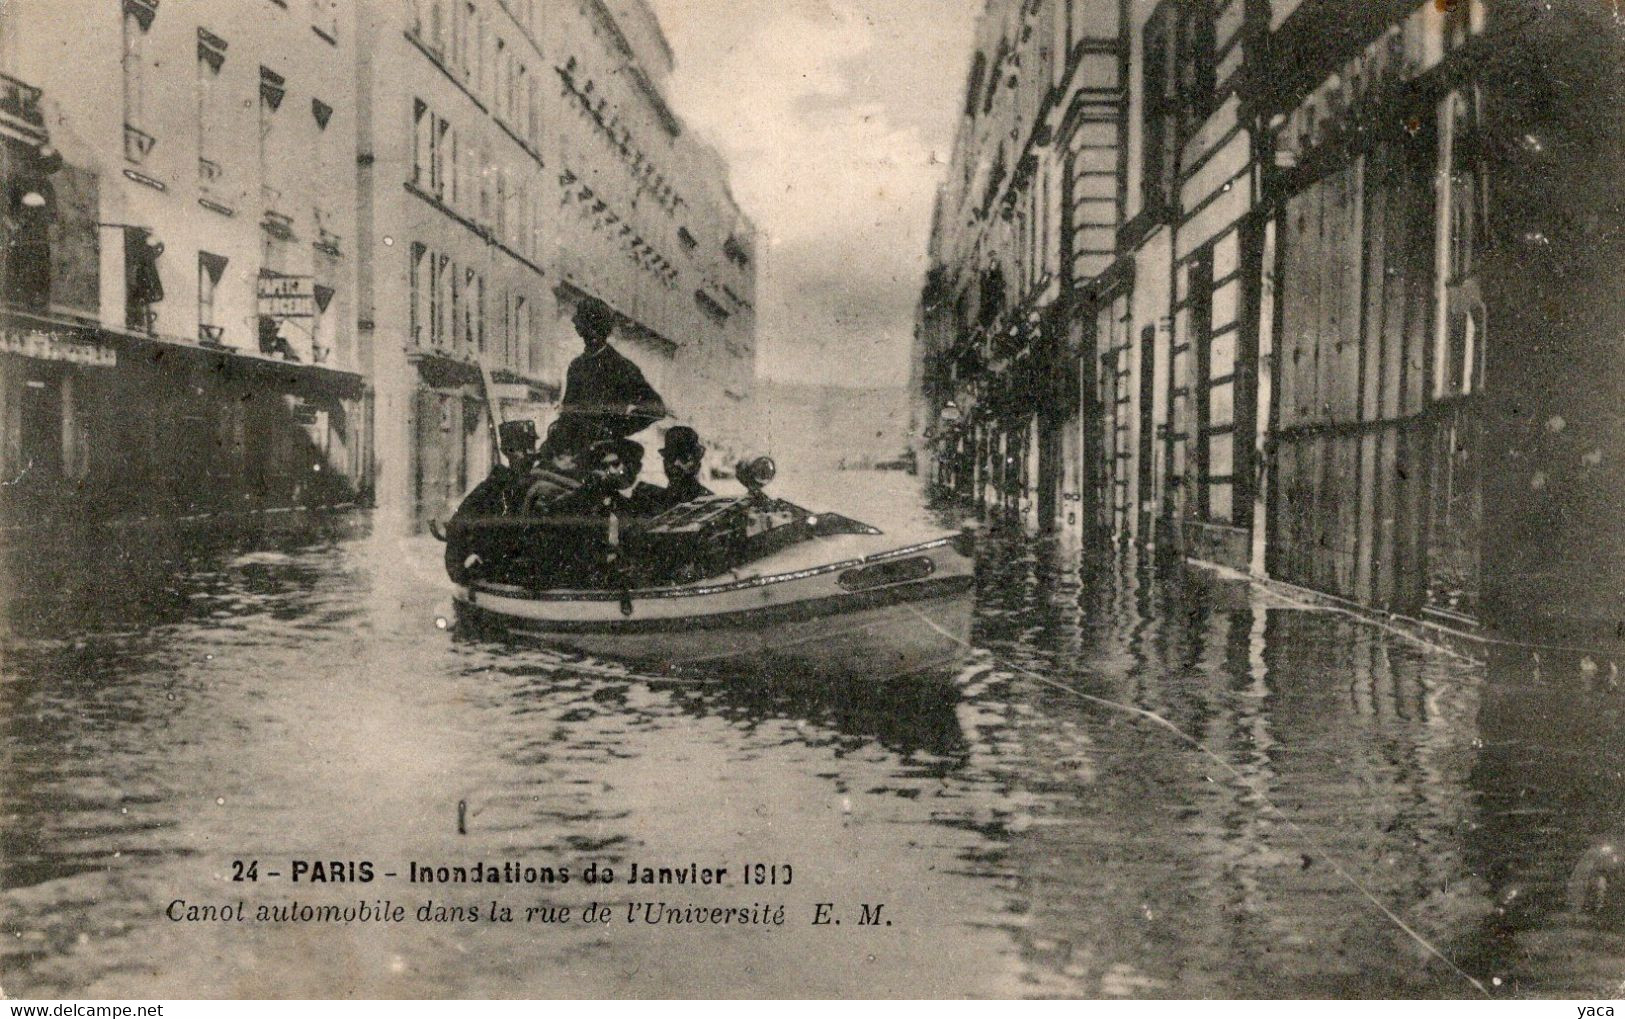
(169, 707)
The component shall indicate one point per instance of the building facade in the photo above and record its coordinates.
(1329, 314)
(517, 157)
(178, 324)
(266, 253)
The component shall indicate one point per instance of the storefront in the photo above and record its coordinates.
(1378, 204)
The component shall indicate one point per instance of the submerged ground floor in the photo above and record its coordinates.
(1138, 783)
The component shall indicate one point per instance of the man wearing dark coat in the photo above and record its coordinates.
(682, 455)
(604, 384)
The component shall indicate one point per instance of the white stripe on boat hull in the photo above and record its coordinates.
(787, 617)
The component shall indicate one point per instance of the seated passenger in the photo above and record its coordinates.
(586, 528)
(558, 467)
(496, 494)
(682, 456)
(500, 494)
(612, 484)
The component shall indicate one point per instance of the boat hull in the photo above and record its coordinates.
(877, 617)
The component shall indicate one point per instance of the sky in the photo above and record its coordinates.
(836, 118)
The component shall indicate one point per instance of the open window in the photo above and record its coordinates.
(211, 269)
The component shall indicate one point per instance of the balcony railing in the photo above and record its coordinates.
(21, 100)
(137, 143)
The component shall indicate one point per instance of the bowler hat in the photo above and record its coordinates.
(628, 451)
(682, 440)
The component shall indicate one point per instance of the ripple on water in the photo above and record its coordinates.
(297, 698)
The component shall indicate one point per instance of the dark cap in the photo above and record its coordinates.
(517, 436)
(682, 440)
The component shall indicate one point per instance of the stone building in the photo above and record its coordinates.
(1362, 268)
(178, 325)
(264, 253)
(516, 157)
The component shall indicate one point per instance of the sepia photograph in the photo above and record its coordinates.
(812, 499)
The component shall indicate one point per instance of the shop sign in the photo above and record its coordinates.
(52, 345)
(287, 296)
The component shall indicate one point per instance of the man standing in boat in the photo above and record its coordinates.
(603, 384)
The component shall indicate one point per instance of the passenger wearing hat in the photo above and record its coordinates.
(500, 494)
(592, 523)
(682, 456)
(517, 440)
(602, 383)
(611, 484)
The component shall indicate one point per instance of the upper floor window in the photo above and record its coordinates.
(210, 269)
(1159, 145)
(992, 85)
(1196, 85)
(138, 17)
(324, 19)
(973, 88)
(273, 89)
(211, 57)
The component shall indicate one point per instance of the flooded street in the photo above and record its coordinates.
(1364, 815)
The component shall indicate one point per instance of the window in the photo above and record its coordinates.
(499, 80)
(210, 269)
(273, 89)
(441, 323)
(992, 84)
(323, 326)
(420, 291)
(138, 17)
(143, 284)
(973, 88)
(422, 143)
(1196, 87)
(325, 204)
(438, 157)
(459, 323)
(324, 19)
(533, 123)
(484, 171)
(1159, 148)
(437, 26)
(1215, 395)
(521, 318)
(1458, 367)
(501, 226)
(211, 56)
(455, 57)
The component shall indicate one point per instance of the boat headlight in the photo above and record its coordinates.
(754, 472)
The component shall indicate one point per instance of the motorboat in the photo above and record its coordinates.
(732, 584)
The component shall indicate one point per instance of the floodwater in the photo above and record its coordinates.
(1135, 786)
